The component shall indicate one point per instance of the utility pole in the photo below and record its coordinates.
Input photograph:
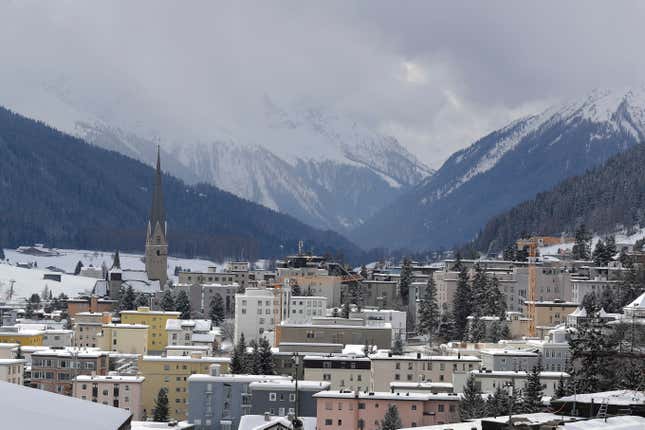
(297, 424)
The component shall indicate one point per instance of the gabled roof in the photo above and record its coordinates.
(639, 302)
(157, 212)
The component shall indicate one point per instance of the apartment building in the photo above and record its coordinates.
(26, 337)
(258, 310)
(551, 313)
(55, 369)
(124, 338)
(193, 333)
(90, 304)
(87, 326)
(375, 317)
(338, 330)
(278, 397)
(364, 411)
(488, 381)
(12, 370)
(58, 338)
(156, 322)
(380, 294)
(342, 372)
(217, 401)
(119, 391)
(387, 367)
(508, 359)
(172, 372)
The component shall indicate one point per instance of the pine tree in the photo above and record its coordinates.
(561, 390)
(581, 248)
(505, 332)
(590, 303)
(446, 326)
(126, 301)
(2, 257)
(458, 266)
(363, 272)
(495, 300)
(462, 303)
(610, 248)
(295, 288)
(499, 403)
(509, 253)
(167, 301)
(429, 311)
(405, 281)
(141, 300)
(391, 420)
(345, 310)
(216, 310)
(19, 354)
(366, 349)
(477, 330)
(591, 354)
(397, 348)
(494, 333)
(266, 357)
(78, 268)
(532, 400)
(479, 291)
(160, 411)
(182, 304)
(254, 360)
(599, 254)
(471, 405)
(239, 359)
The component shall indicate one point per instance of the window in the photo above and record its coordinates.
(292, 397)
(272, 397)
(328, 422)
(414, 407)
(328, 405)
(440, 408)
(340, 422)
(361, 405)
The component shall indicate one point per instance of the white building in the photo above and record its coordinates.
(374, 317)
(580, 287)
(193, 333)
(12, 370)
(258, 311)
(635, 309)
(508, 359)
(488, 380)
(555, 350)
(58, 338)
(303, 308)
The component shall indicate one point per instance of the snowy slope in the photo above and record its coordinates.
(508, 166)
(260, 159)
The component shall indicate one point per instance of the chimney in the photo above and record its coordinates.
(418, 355)
(267, 417)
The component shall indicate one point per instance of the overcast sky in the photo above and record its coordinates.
(436, 75)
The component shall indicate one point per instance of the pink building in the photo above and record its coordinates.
(123, 392)
(351, 410)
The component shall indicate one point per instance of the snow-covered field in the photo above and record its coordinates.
(621, 238)
(29, 281)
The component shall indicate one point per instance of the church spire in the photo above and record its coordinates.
(157, 213)
(116, 263)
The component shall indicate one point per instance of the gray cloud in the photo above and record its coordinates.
(435, 74)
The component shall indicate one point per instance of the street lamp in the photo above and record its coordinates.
(297, 423)
(510, 385)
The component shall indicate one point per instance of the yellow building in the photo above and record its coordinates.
(156, 322)
(172, 373)
(23, 337)
(125, 338)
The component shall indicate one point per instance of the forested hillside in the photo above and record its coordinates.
(59, 190)
(604, 198)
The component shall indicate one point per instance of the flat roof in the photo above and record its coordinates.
(381, 356)
(110, 378)
(287, 384)
(185, 358)
(386, 395)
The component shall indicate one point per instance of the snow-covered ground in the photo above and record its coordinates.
(621, 238)
(29, 281)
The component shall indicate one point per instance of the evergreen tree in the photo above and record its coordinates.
(397, 348)
(429, 311)
(405, 281)
(78, 268)
(216, 311)
(610, 248)
(509, 253)
(334, 313)
(471, 405)
(561, 390)
(366, 349)
(266, 357)
(446, 326)
(141, 300)
(254, 360)
(590, 303)
(479, 291)
(458, 266)
(167, 301)
(182, 304)
(532, 400)
(499, 403)
(29, 310)
(345, 310)
(391, 420)
(505, 332)
(495, 300)
(494, 333)
(608, 301)
(160, 411)
(19, 354)
(462, 304)
(126, 301)
(591, 353)
(363, 272)
(239, 359)
(2, 257)
(599, 254)
(477, 330)
(581, 248)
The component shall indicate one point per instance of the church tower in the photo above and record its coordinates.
(156, 243)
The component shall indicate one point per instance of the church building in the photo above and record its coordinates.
(156, 242)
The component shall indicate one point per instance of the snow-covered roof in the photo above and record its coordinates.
(283, 384)
(618, 397)
(156, 425)
(40, 409)
(125, 326)
(628, 422)
(423, 385)
(185, 358)
(258, 422)
(197, 325)
(386, 395)
(516, 352)
(203, 337)
(110, 378)
(580, 312)
(516, 373)
(72, 352)
(639, 302)
(386, 356)
(228, 377)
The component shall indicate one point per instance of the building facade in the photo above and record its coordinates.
(124, 338)
(55, 369)
(342, 372)
(156, 322)
(156, 253)
(123, 392)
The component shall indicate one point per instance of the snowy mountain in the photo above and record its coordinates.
(508, 166)
(319, 166)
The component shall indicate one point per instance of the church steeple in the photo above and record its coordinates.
(156, 243)
(157, 212)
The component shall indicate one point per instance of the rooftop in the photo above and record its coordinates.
(385, 395)
(289, 384)
(387, 356)
(185, 358)
(110, 378)
(618, 397)
(146, 311)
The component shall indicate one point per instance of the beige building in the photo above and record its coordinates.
(343, 372)
(314, 282)
(124, 338)
(113, 390)
(488, 381)
(387, 368)
(12, 370)
(156, 322)
(87, 326)
(172, 373)
(551, 313)
(337, 330)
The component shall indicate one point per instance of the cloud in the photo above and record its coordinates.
(437, 75)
